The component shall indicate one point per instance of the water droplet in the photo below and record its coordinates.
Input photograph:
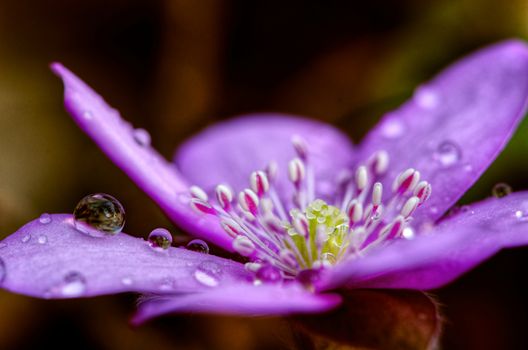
(447, 153)
(393, 128)
(2, 271)
(268, 273)
(197, 245)
(426, 98)
(98, 215)
(26, 238)
(208, 273)
(45, 218)
(42, 239)
(501, 190)
(308, 277)
(160, 239)
(408, 233)
(127, 281)
(88, 115)
(142, 137)
(73, 285)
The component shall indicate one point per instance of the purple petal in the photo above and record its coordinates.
(243, 299)
(54, 260)
(229, 151)
(455, 125)
(129, 149)
(437, 257)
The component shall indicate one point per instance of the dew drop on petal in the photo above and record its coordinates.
(126, 281)
(26, 238)
(88, 115)
(426, 98)
(98, 215)
(197, 245)
(208, 274)
(268, 274)
(160, 239)
(408, 233)
(393, 128)
(501, 190)
(2, 271)
(447, 154)
(42, 239)
(142, 137)
(45, 218)
(308, 277)
(73, 285)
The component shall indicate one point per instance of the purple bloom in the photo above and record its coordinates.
(310, 212)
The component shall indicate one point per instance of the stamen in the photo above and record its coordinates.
(300, 147)
(423, 191)
(296, 172)
(249, 201)
(379, 162)
(361, 178)
(377, 193)
(259, 183)
(197, 192)
(410, 206)
(406, 181)
(224, 196)
(243, 246)
(202, 207)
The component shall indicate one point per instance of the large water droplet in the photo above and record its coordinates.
(45, 218)
(197, 245)
(98, 215)
(393, 128)
(2, 271)
(501, 190)
(142, 137)
(268, 274)
(160, 239)
(73, 285)
(447, 154)
(208, 274)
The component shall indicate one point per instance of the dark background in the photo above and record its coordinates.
(175, 66)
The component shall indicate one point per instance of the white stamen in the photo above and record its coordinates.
(361, 177)
(296, 171)
(423, 191)
(300, 146)
(288, 258)
(202, 207)
(231, 227)
(252, 267)
(406, 181)
(224, 196)
(355, 211)
(271, 171)
(249, 201)
(410, 206)
(377, 193)
(243, 246)
(300, 223)
(197, 192)
(259, 182)
(380, 162)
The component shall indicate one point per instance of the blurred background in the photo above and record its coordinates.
(175, 66)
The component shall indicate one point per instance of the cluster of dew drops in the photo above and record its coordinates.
(102, 215)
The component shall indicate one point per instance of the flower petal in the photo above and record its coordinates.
(229, 151)
(455, 125)
(129, 149)
(54, 260)
(242, 299)
(439, 256)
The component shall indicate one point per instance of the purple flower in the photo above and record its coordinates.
(310, 212)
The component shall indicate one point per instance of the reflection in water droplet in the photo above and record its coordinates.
(26, 238)
(98, 215)
(408, 233)
(42, 239)
(2, 271)
(447, 154)
(521, 215)
(501, 190)
(208, 274)
(74, 285)
(127, 281)
(45, 218)
(160, 239)
(197, 245)
(393, 128)
(268, 274)
(142, 137)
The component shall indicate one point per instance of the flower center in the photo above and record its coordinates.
(284, 238)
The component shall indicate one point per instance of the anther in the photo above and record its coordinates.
(423, 191)
(410, 206)
(243, 246)
(249, 201)
(259, 183)
(300, 223)
(224, 196)
(197, 192)
(296, 171)
(300, 146)
(361, 178)
(252, 267)
(355, 212)
(377, 193)
(231, 227)
(406, 181)
(379, 163)
(394, 229)
(288, 258)
(202, 206)
(271, 171)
